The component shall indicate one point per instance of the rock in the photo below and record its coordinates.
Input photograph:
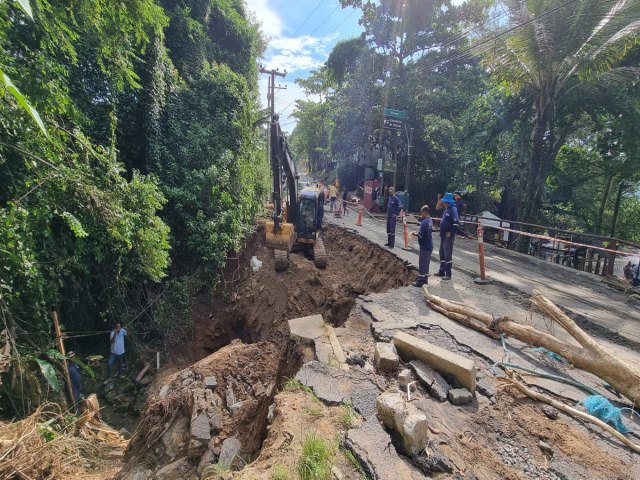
(175, 436)
(443, 361)
(164, 391)
(146, 380)
(208, 457)
(258, 389)
(270, 413)
(546, 448)
(368, 367)
(404, 378)
(432, 380)
(230, 397)
(337, 474)
(550, 412)
(235, 407)
(409, 423)
(200, 428)
(357, 358)
(171, 471)
(196, 449)
(485, 387)
(386, 358)
(460, 396)
(436, 462)
(231, 448)
(125, 433)
(210, 383)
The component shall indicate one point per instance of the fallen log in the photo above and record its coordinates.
(589, 356)
(465, 320)
(571, 411)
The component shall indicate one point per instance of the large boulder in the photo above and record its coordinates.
(409, 423)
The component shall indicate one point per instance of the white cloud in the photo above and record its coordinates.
(271, 22)
(294, 54)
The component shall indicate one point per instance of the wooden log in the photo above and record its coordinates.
(465, 320)
(590, 356)
(67, 378)
(572, 411)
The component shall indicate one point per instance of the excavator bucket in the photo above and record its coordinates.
(281, 242)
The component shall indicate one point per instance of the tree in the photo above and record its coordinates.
(554, 50)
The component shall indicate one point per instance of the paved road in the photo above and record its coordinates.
(581, 293)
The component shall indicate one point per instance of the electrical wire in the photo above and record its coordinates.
(323, 22)
(306, 19)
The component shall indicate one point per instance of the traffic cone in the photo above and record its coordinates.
(359, 221)
(406, 233)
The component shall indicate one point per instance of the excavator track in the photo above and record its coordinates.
(281, 260)
(319, 254)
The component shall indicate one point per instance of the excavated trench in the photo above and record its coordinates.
(241, 336)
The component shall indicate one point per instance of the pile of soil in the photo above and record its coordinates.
(257, 307)
(222, 399)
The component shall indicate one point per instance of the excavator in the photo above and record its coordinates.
(294, 226)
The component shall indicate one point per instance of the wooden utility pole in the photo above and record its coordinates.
(56, 324)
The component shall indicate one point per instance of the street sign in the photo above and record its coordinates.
(394, 119)
(390, 112)
(393, 123)
(380, 164)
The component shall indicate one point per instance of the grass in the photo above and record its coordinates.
(348, 415)
(279, 472)
(294, 385)
(315, 411)
(214, 471)
(316, 458)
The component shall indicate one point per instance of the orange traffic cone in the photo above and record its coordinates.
(359, 221)
(406, 233)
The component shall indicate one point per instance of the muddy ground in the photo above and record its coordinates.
(240, 335)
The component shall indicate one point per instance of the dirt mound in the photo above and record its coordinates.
(257, 307)
(219, 404)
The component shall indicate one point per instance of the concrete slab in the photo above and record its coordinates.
(443, 361)
(312, 330)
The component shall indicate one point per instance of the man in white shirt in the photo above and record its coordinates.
(117, 349)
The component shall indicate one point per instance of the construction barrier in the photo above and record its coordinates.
(359, 221)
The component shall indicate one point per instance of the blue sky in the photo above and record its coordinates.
(299, 46)
(301, 34)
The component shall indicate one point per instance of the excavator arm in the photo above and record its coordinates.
(282, 165)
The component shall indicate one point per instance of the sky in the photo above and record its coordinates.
(301, 34)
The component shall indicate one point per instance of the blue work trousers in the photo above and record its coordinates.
(424, 259)
(391, 230)
(446, 254)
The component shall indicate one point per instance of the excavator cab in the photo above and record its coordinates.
(293, 226)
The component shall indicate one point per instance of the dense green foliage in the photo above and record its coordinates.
(527, 106)
(149, 172)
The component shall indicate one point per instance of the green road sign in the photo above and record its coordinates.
(390, 112)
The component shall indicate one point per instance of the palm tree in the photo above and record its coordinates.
(552, 51)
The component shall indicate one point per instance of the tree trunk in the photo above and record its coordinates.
(590, 356)
(603, 204)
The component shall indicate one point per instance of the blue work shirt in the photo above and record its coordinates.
(394, 206)
(117, 341)
(449, 222)
(424, 235)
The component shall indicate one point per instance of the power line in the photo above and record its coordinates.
(326, 18)
(308, 17)
(345, 19)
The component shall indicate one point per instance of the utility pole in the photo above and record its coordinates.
(272, 86)
(271, 101)
(409, 153)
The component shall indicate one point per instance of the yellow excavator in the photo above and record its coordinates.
(295, 225)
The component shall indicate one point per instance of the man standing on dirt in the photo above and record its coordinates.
(333, 195)
(320, 209)
(345, 196)
(117, 349)
(394, 208)
(448, 230)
